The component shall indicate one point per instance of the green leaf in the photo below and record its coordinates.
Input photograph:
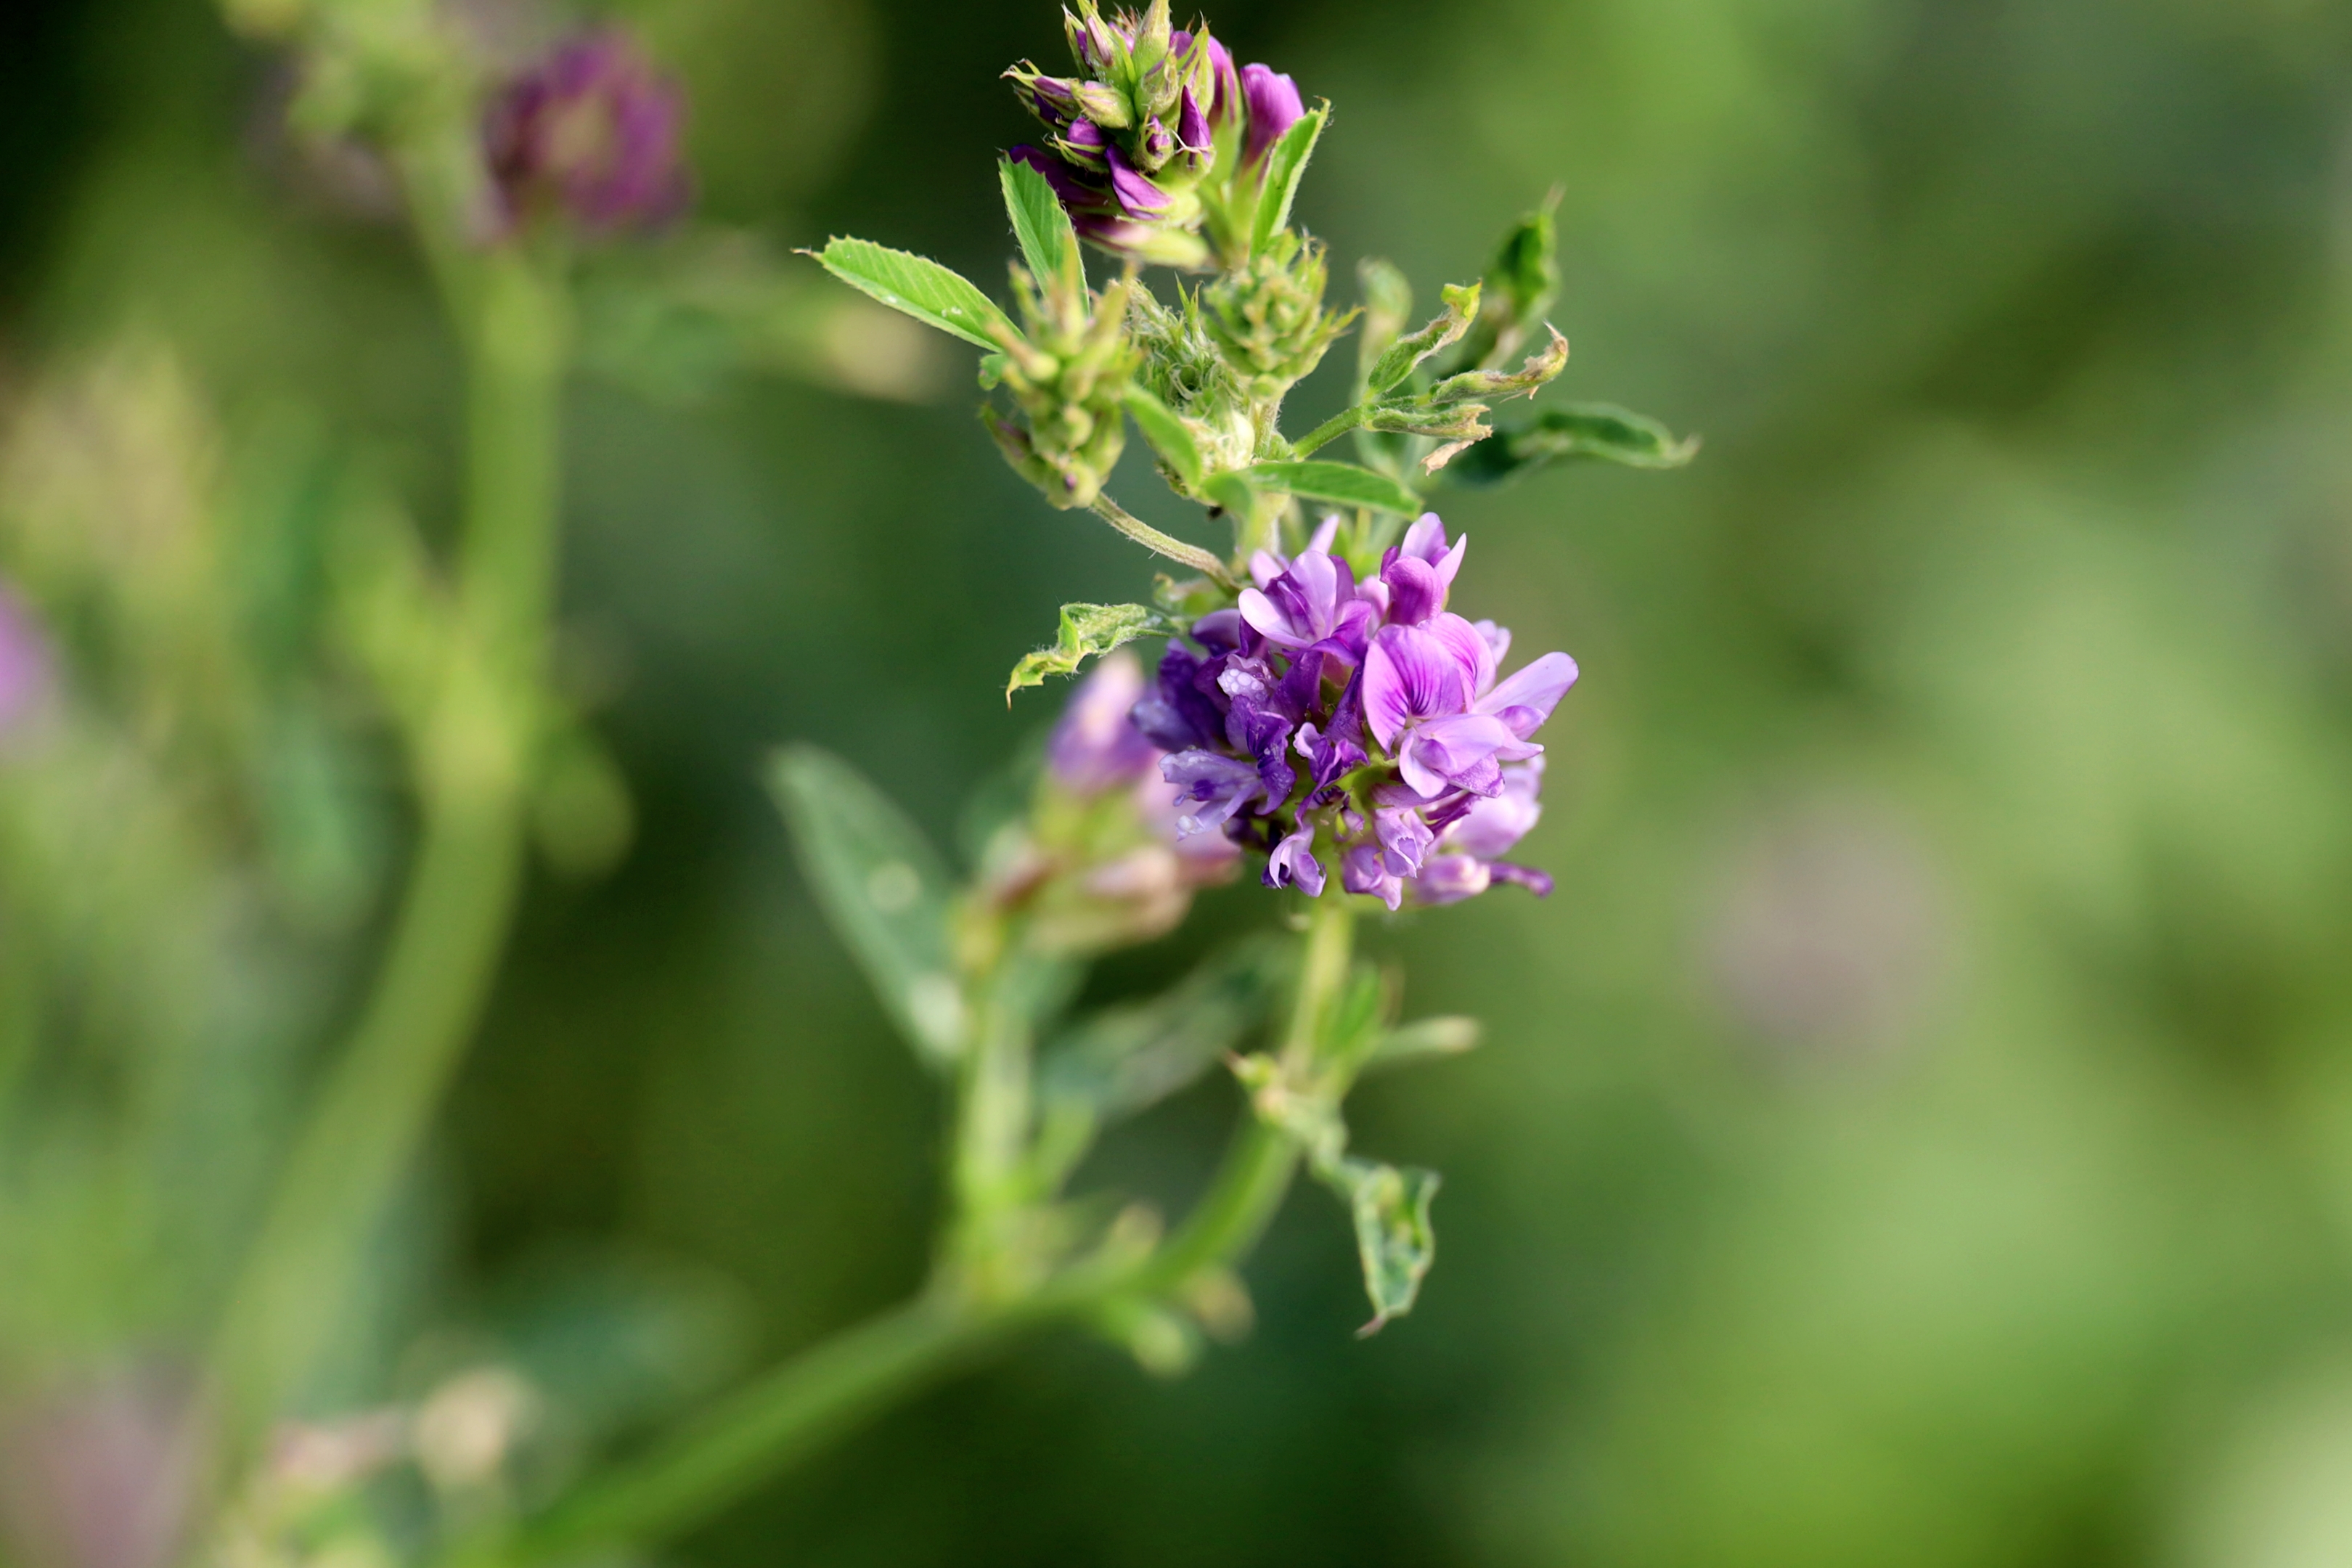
(1341, 484)
(1167, 435)
(1520, 285)
(1393, 1239)
(1048, 243)
(1285, 164)
(1407, 352)
(1125, 1059)
(1423, 1039)
(883, 888)
(1085, 631)
(921, 287)
(1584, 431)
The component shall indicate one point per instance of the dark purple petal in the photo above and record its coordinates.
(1176, 714)
(1073, 192)
(1192, 126)
(1275, 107)
(1408, 675)
(1414, 592)
(592, 130)
(1087, 146)
(1491, 827)
(1136, 193)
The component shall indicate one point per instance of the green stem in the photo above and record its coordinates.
(1331, 429)
(991, 1126)
(819, 1395)
(1151, 539)
(471, 757)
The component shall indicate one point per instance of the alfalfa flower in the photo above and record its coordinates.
(591, 132)
(1364, 719)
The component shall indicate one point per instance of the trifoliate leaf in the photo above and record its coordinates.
(916, 285)
(1285, 164)
(1393, 1237)
(1086, 630)
(1341, 484)
(883, 888)
(1167, 435)
(1521, 284)
(1048, 243)
(1407, 352)
(1126, 1058)
(1592, 431)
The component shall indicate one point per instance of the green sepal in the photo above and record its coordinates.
(884, 889)
(1406, 354)
(1584, 431)
(1167, 435)
(1286, 165)
(1393, 1237)
(1049, 242)
(919, 286)
(1087, 631)
(1341, 484)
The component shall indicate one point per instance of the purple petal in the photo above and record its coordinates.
(1475, 654)
(1137, 194)
(1192, 126)
(1492, 826)
(1097, 745)
(1526, 699)
(1058, 175)
(1462, 752)
(1408, 675)
(1274, 105)
(1536, 882)
(1425, 539)
(1293, 864)
(1414, 592)
(1404, 839)
(1222, 785)
(1362, 871)
(1449, 879)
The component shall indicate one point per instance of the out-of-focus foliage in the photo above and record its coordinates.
(1919, 1130)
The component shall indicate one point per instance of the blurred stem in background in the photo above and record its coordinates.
(471, 752)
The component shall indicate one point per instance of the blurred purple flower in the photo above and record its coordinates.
(592, 131)
(25, 665)
(1096, 746)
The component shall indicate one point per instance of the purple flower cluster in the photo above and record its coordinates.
(1365, 718)
(592, 131)
(1138, 129)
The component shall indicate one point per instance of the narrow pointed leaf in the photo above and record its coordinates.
(883, 888)
(1048, 243)
(1341, 484)
(1593, 432)
(1422, 1040)
(1286, 165)
(1167, 435)
(1407, 352)
(916, 285)
(1085, 631)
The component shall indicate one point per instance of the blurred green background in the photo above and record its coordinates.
(1920, 1128)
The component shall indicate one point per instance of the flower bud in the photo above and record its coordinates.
(1268, 317)
(1068, 373)
(592, 132)
(1273, 106)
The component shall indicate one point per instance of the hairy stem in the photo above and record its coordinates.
(471, 759)
(1330, 430)
(1151, 539)
(816, 1396)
